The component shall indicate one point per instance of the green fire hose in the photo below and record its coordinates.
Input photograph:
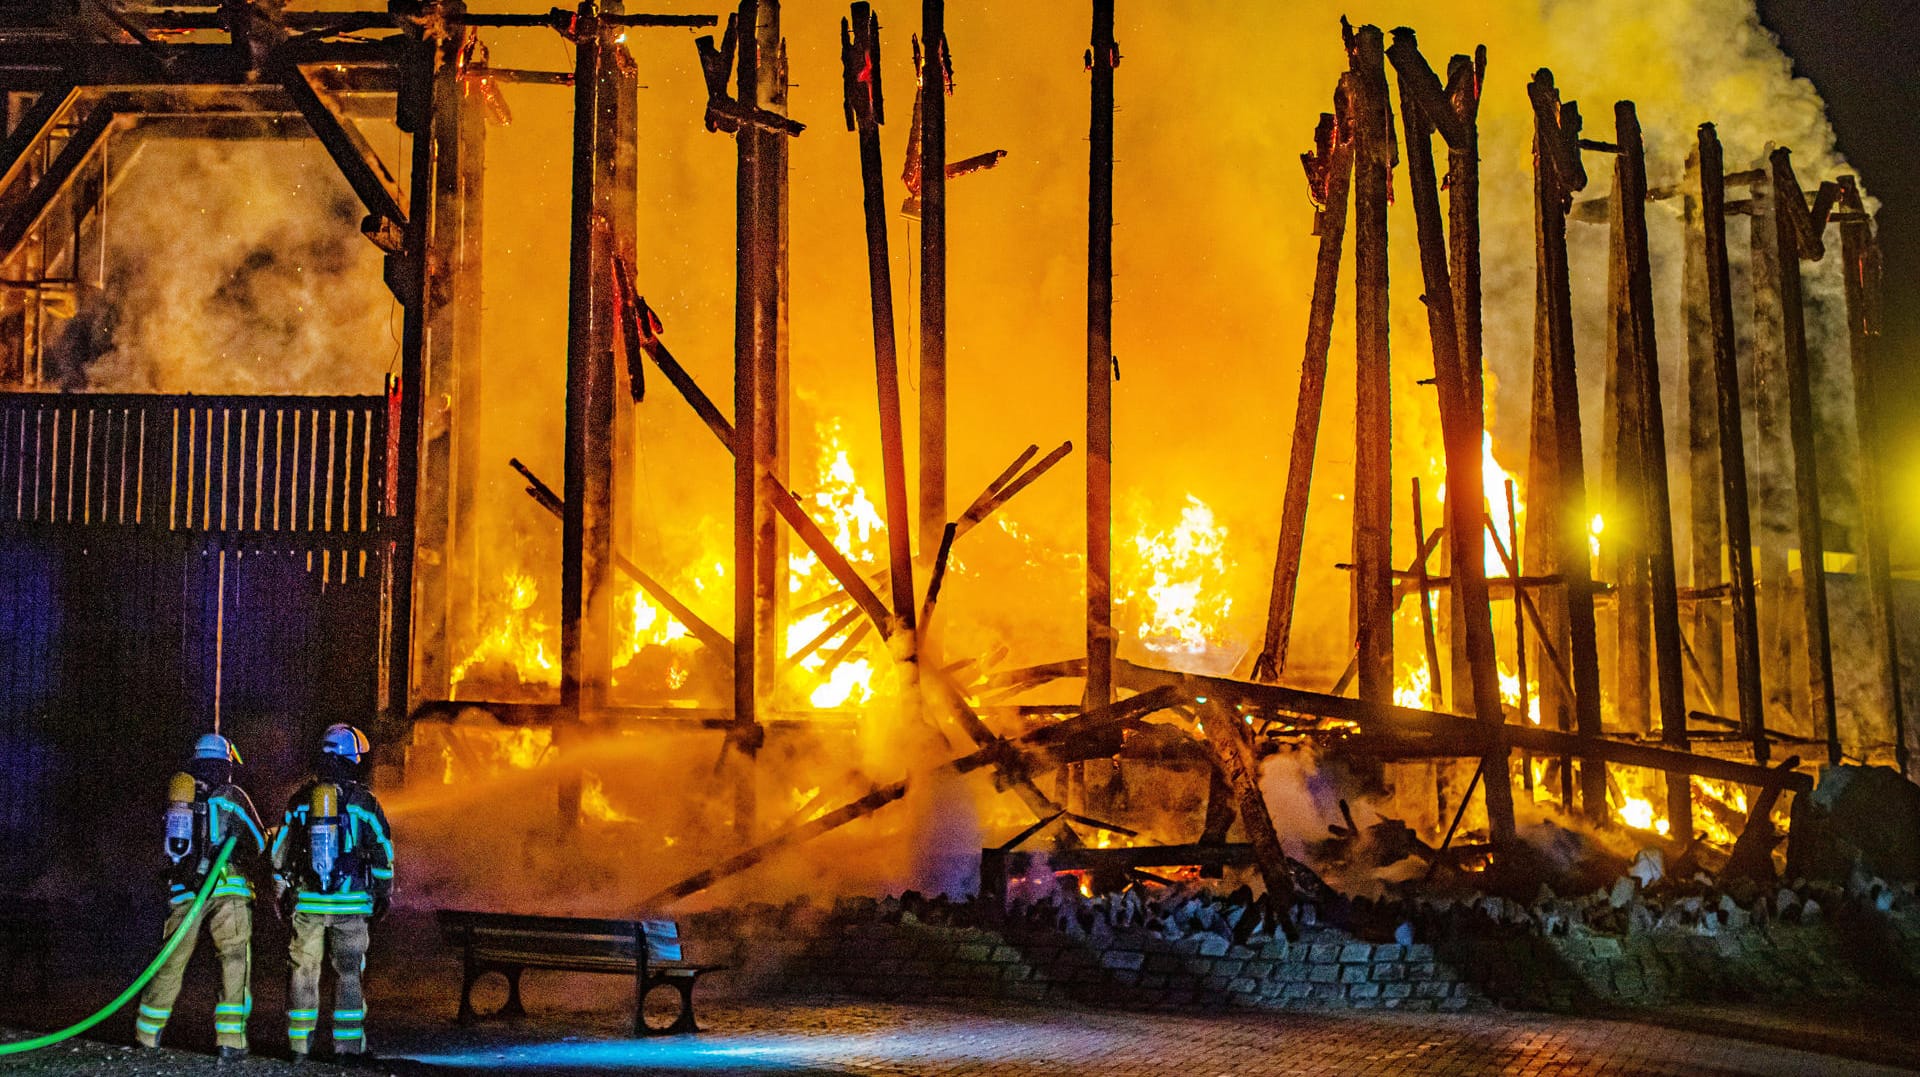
(187, 927)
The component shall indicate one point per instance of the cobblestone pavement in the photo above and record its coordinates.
(807, 1038)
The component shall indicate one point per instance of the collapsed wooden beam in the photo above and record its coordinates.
(1017, 755)
(715, 641)
(1329, 177)
(1233, 754)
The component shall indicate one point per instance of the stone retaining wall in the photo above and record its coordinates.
(863, 957)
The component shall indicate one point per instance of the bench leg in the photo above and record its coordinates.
(684, 1023)
(513, 1007)
(467, 978)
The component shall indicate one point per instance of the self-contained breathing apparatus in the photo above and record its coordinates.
(187, 842)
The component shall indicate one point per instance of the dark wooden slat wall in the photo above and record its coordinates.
(116, 513)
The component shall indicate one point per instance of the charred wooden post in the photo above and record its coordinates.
(1521, 608)
(933, 271)
(865, 110)
(1797, 234)
(1623, 477)
(1557, 174)
(1772, 490)
(1421, 100)
(1373, 158)
(1860, 255)
(1703, 444)
(1465, 75)
(586, 533)
(1102, 58)
(1733, 458)
(446, 582)
(1655, 508)
(1329, 175)
(407, 272)
(770, 389)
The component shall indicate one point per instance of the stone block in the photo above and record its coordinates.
(1389, 952)
(1322, 952)
(1243, 985)
(1401, 989)
(1363, 990)
(1455, 1003)
(1213, 946)
(1259, 969)
(1004, 954)
(973, 951)
(1324, 974)
(1292, 973)
(1277, 950)
(1364, 1003)
(1297, 991)
(1354, 974)
(1389, 973)
(1123, 959)
(1228, 966)
(1356, 953)
(1422, 970)
(1434, 989)
(1327, 992)
(1604, 946)
(1011, 973)
(1419, 951)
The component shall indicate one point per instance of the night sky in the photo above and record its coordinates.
(1865, 59)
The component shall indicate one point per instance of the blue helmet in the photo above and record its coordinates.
(215, 746)
(345, 741)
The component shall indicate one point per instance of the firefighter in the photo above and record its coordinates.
(204, 809)
(333, 875)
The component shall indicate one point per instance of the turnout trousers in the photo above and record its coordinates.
(315, 937)
(230, 921)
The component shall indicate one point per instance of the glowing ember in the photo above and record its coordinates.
(1638, 813)
(1174, 593)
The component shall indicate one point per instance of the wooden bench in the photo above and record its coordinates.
(647, 950)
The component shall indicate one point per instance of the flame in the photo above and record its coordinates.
(1594, 528)
(1413, 688)
(639, 622)
(595, 805)
(1493, 487)
(839, 503)
(1174, 593)
(518, 636)
(1729, 798)
(1638, 813)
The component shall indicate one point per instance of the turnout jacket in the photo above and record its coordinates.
(229, 813)
(363, 868)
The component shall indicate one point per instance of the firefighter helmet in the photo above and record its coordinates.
(345, 741)
(215, 746)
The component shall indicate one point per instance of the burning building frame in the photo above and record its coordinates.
(1569, 663)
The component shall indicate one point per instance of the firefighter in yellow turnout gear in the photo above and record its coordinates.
(204, 809)
(333, 868)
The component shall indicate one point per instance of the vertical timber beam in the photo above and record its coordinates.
(1789, 225)
(1465, 75)
(407, 276)
(1703, 446)
(1373, 411)
(1771, 491)
(1860, 256)
(1557, 174)
(586, 533)
(1420, 99)
(769, 281)
(1655, 508)
(1623, 542)
(1103, 56)
(747, 507)
(1733, 457)
(860, 52)
(933, 281)
(1329, 177)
